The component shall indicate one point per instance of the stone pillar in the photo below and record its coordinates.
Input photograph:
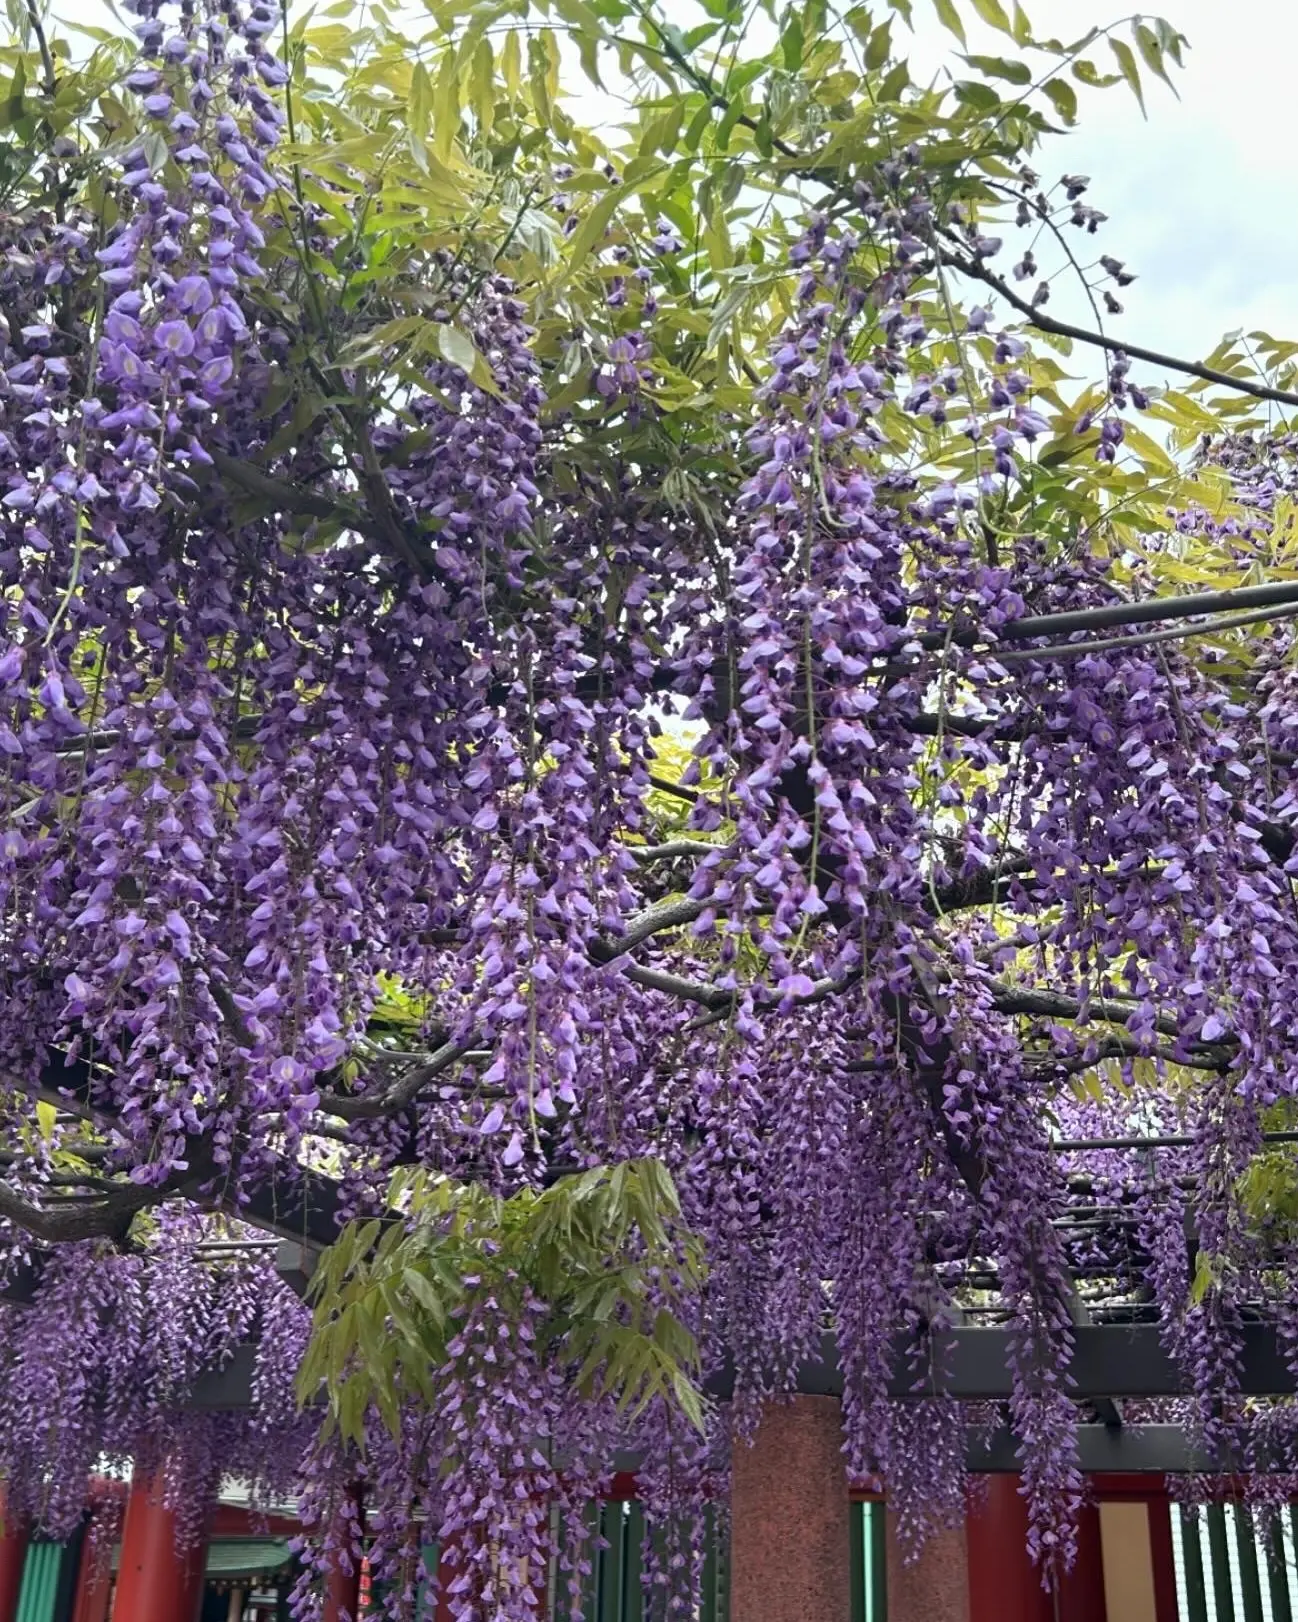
(155, 1578)
(789, 1517)
(933, 1587)
(15, 1534)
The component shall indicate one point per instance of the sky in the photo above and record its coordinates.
(1202, 195)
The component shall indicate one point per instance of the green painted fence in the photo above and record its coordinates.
(611, 1591)
(49, 1581)
(1230, 1570)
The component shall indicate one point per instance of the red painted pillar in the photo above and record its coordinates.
(1081, 1590)
(343, 1578)
(446, 1575)
(155, 1579)
(1162, 1559)
(1004, 1585)
(94, 1577)
(15, 1533)
(789, 1517)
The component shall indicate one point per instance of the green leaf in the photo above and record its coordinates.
(1020, 27)
(879, 46)
(1086, 72)
(699, 123)
(992, 12)
(482, 85)
(1064, 97)
(949, 17)
(446, 108)
(729, 119)
(999, 67)
(511, 64)
(791, 44)
(590, 233)
(1130, 72)
(1151, 51)
(455, 346)
(156, 151)
(420, 106)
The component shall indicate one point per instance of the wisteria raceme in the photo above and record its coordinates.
(463, 705)
(100, 1368)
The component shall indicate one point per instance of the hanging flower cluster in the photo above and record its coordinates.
(105, 1365)
(336, 690)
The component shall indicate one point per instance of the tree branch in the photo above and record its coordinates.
(1065, 329)
(105, 1216)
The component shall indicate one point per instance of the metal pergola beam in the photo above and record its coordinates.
(1109, 1361)
(1104, 1450)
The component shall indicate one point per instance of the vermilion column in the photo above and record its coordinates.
(155, 1579)
(14, 1538)
(446, 1575)
(343, 1581)
(789, 1525)
(1005, 1586)
(1081, 1591)
(94, 1578)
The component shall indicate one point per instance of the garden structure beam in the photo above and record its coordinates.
(970, 1364)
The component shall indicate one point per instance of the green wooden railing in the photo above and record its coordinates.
(1228, 1570)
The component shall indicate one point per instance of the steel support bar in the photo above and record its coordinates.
(1109, 1360)
(1102, 1450)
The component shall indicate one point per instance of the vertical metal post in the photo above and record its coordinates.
(1218, 1549)
(858, 1531)
(610, 1565)
(1277, 1568)
(1196, 1592)
(1161, 1558)
(1249, 1579)
(634, 1562)
(877, 1527)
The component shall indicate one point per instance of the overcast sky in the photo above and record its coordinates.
(1202, 196)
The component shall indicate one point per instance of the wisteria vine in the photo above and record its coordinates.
(406, 763)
